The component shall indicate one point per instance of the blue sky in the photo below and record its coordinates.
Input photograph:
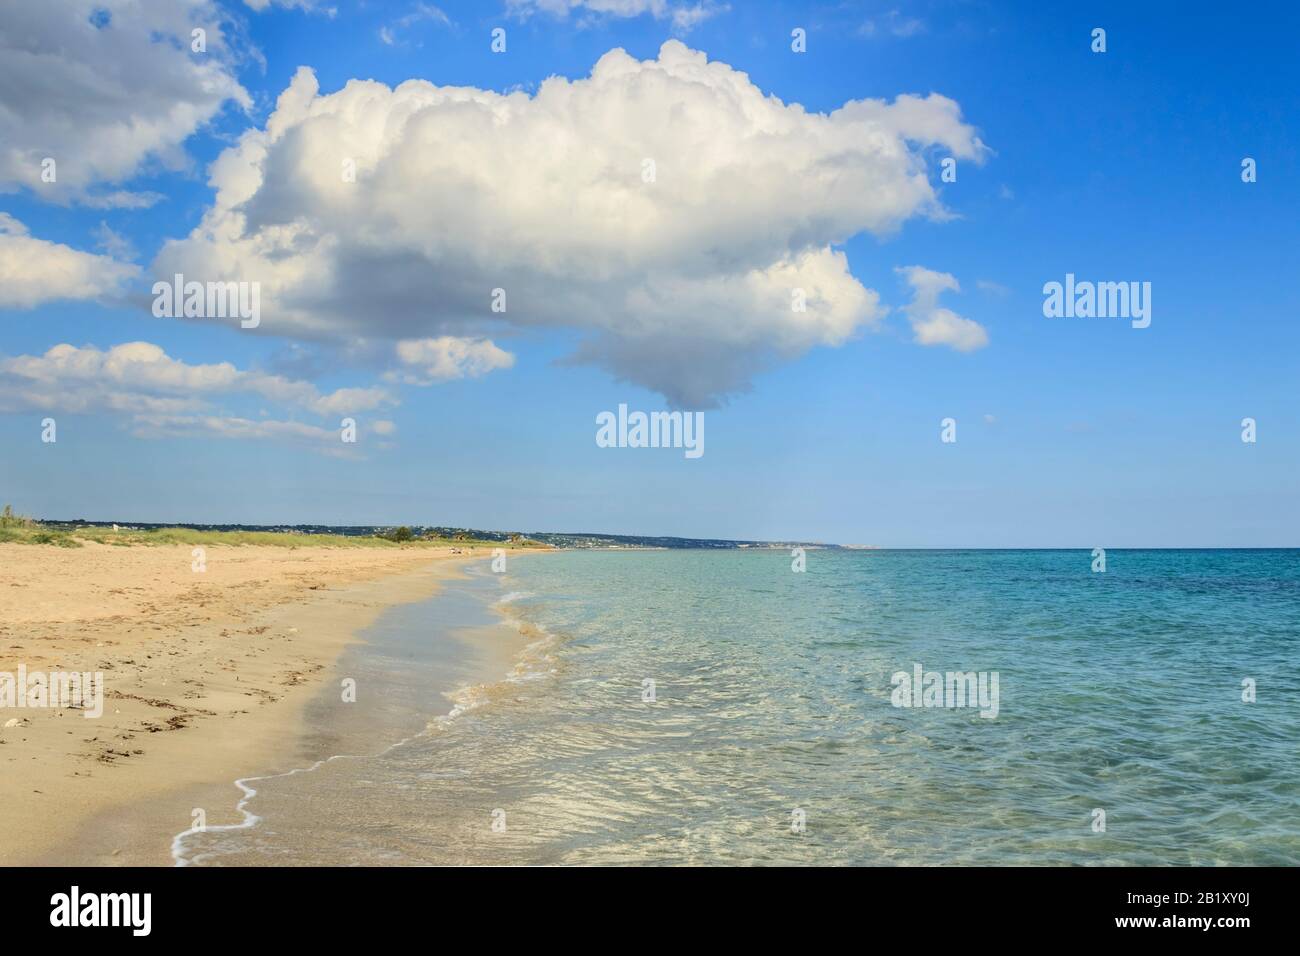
(1072, 432)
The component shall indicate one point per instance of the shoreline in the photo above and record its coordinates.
(459, 664)
(207, 680)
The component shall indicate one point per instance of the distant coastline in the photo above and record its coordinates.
(581, 539)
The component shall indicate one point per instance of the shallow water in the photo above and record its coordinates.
(1119, 691)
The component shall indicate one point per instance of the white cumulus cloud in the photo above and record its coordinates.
(666, 210)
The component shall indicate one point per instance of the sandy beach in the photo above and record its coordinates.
(206, 677)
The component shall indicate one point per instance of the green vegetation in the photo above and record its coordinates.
(35, 534)
(10, 520)
(21, 530)
(26, 531)
(193, 536)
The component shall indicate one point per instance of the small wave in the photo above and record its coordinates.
(536, 658)
(251, 819)
(534, 662)
(514, 596)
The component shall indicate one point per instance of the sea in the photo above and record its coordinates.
(823, 707)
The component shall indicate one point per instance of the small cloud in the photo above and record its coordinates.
(684, 16)
(1004, 192)
(932, 324)
(990, 419)
(907, 28)
(230, 426)
(893, 23)
(991, 287)
(121, 199)
(447, 358)
(114, 244)
(390, 33)
(687, 18)
(306, 6)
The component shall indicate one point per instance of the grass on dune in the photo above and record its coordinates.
(37, 535)
(26, 531)
(19, 530)
(191, 536)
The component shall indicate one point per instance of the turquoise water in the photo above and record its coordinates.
(1119, 691)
